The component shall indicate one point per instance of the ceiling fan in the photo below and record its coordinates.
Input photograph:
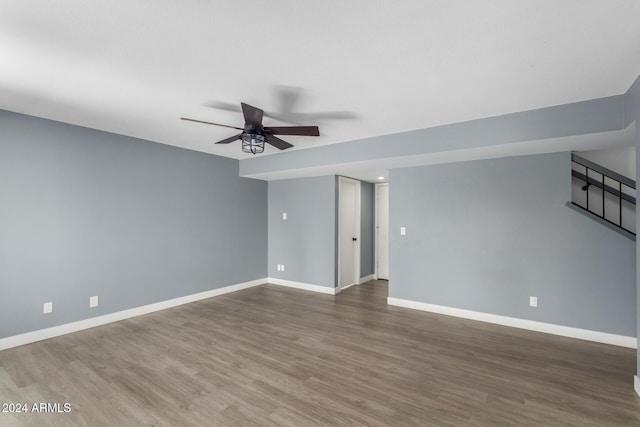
(255, 134)
(287, 100)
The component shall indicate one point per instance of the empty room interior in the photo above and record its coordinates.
(319, 213)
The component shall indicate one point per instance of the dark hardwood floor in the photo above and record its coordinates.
(277, 356)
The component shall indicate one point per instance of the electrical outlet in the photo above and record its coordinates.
(48, 307)
(284, 215)
(403, 231)
(282, 266)
(533, 301)
(93, 302)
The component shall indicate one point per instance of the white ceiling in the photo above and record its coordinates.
(136, 67)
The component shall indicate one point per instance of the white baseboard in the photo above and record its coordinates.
(548, 328)
(43, 334)
(300, 285)
(366, 279)
(636, 384)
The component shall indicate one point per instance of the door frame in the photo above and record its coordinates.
(375, 225)
(357, 215)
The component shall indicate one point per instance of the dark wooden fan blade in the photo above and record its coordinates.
(230, 139)
(210, 123)
(293, 130)
(278, 143)
(252, 115)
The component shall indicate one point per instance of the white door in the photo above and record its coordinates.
(348, 232)
(382, 231)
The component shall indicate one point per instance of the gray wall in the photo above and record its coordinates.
(485, 235)
(305, 243)
(367, 224)
(84, 212)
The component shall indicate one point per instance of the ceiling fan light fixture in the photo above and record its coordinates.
(253, 143)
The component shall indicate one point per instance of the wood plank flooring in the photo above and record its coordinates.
(271, 355)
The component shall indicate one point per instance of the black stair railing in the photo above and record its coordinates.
(609, 186)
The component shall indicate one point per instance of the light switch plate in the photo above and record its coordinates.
(48, 307)
(403, 231)
(93, 301)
